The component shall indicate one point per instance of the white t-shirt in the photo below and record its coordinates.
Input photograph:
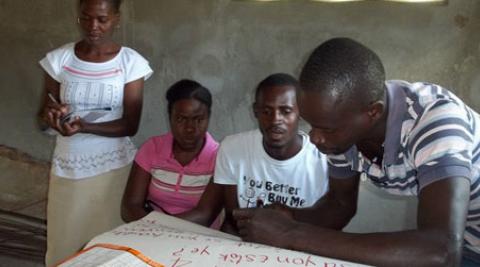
(296, 182)
(87, 85)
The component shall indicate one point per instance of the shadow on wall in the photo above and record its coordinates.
(379, 211)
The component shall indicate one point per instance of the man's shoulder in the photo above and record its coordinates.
(422, 94)
(309, 149)
(425, 103)
(240, 144)
(242, 138)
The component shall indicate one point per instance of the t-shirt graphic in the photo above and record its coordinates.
(296, 182)
(269, 192)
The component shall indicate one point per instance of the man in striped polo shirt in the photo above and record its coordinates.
(406, 138)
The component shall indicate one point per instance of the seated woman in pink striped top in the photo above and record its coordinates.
(171, 171)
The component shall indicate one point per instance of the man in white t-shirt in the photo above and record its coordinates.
(273, 164)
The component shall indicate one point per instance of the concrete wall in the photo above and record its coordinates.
(24, 183)
(229, 46)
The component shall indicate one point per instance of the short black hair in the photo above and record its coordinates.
(276, 79)
(344, 68)
(188, 89)
(114, 3)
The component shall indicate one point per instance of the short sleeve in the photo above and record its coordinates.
(223, 167)
(340, 166)
(52, 65)
(136, 66)
(441, 144)
(145, 155)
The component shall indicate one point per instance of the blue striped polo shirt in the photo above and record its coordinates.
(431, 135)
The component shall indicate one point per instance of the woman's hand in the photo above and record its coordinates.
(135, 195)
(70, 128)
(53, 115)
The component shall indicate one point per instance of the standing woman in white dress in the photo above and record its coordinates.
(93, 99)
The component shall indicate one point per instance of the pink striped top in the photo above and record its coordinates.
(173, 187)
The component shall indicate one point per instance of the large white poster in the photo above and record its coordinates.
(176, 243)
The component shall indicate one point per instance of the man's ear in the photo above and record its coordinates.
(255, 109)
(376, 110)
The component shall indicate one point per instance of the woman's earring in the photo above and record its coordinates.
(78, 20)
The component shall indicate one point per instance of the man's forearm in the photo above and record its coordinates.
(336, 208)
(326, 213)
(407, 248)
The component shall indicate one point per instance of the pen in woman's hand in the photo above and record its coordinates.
(52, 98)
(60, 110)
